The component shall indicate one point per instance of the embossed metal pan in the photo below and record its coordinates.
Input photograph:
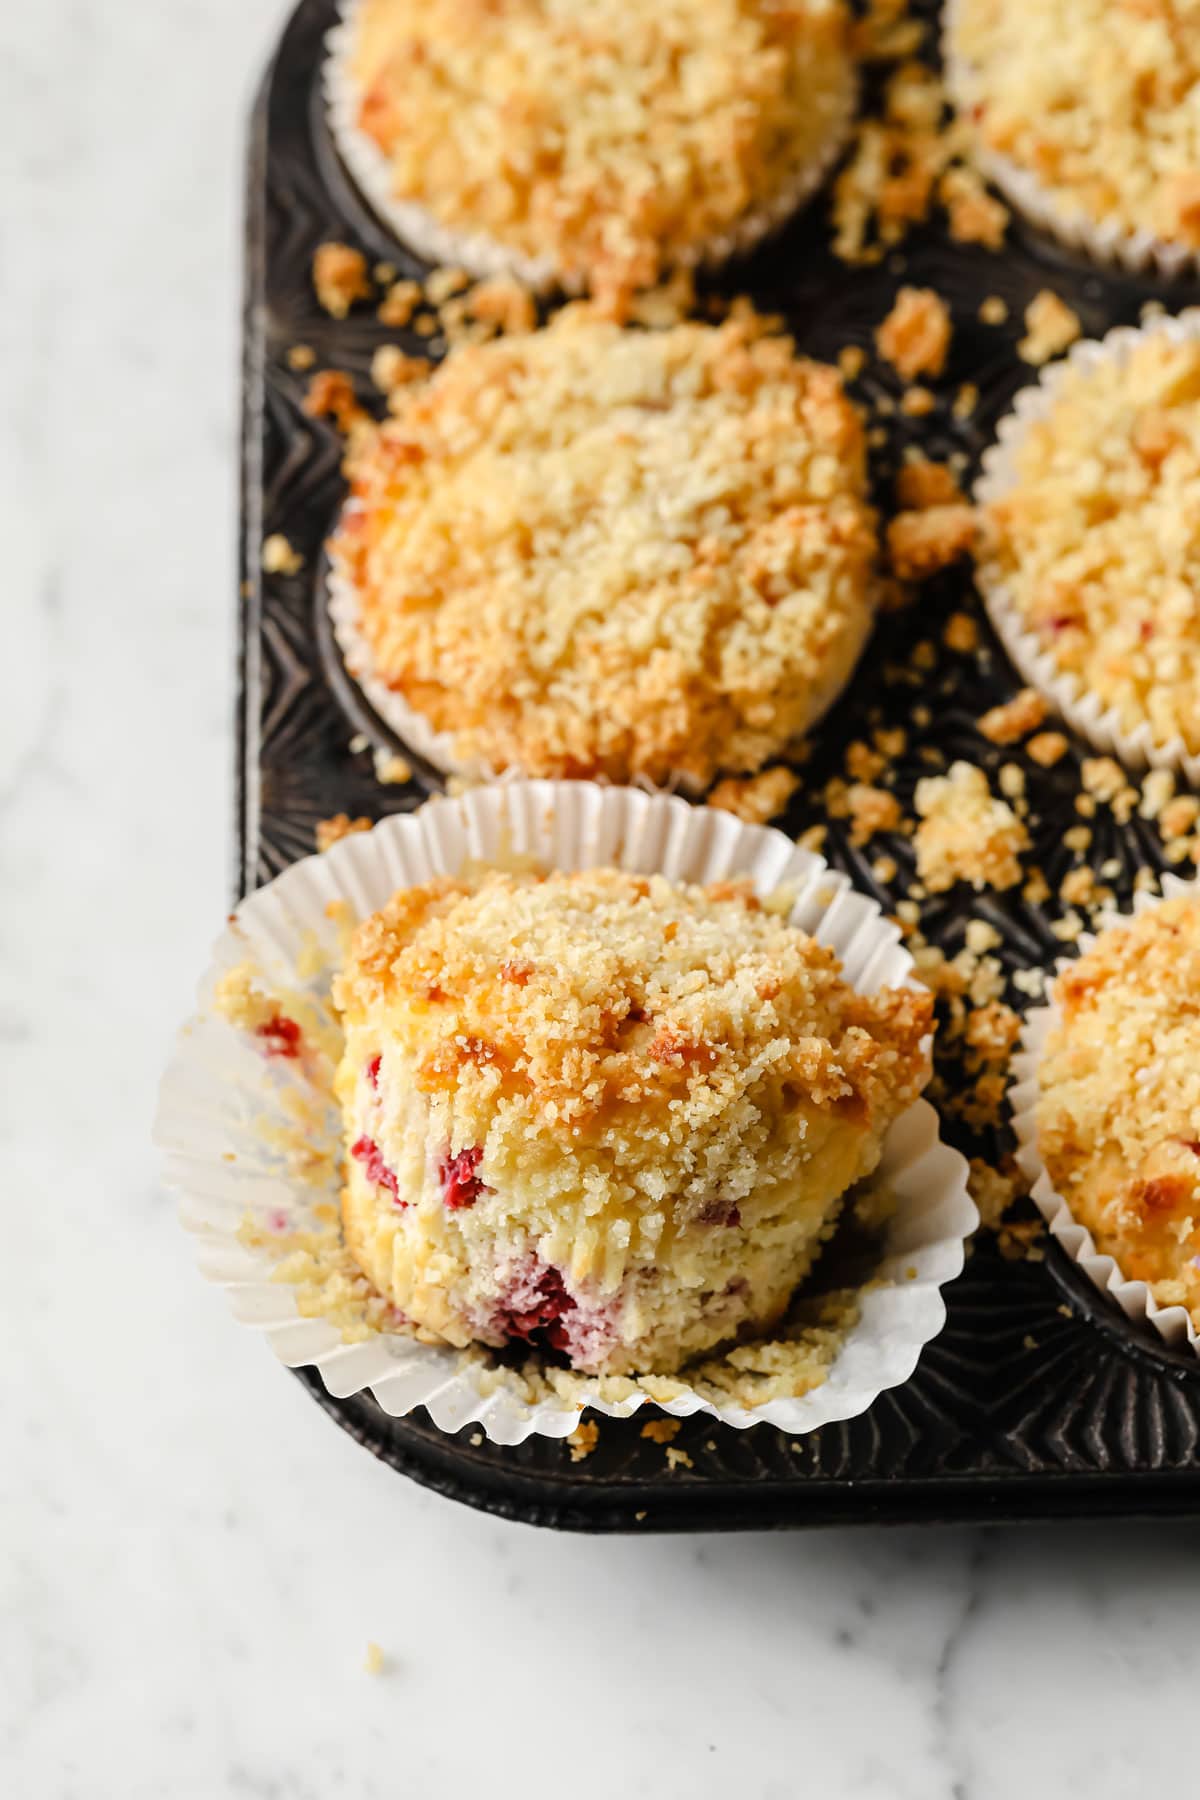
(1038, 1400)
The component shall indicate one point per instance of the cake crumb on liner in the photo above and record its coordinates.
(1082, 709)
(252, 1141)
(1173, 1323)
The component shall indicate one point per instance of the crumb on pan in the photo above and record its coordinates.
(278, 556)
(915, 336)
(331, 395)
(922, 543)
(661, 1431)
(331, 831)
(340, 278)
(1014, 719)
(1051, 326)
(755, 798)
(966, 833)
(583, 1440)
(921, 484)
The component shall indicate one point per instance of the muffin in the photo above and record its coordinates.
(586, 142)
(608, 1115)
(1089, 560)
(1118, 1109)
(1085, 114)
(600, 551)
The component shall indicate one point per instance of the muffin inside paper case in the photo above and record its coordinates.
(1173, 1323)
(482, 255)
(1083, 710)
(227, 1113)
(1106, 241)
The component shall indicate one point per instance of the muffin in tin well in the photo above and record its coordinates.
(600, 551)
(590, 144)
(1089, 559)
(1086, 114)
(605, 1112)
(1118, 1097)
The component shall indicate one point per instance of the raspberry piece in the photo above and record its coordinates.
(367, 1152)
(536, 1308)
(373, 1068)
(281, 1036)
(461, 1186)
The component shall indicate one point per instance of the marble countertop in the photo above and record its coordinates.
(191, 1574)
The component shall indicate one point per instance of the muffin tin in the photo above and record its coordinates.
(1038, 1399)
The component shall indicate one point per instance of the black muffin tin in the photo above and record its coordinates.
(1038, 1399)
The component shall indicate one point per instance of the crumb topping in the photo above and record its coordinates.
(599, 551)
(1096, 540)
(609, 141)
(1098, 101)
(1119, 1110)
(966, 833)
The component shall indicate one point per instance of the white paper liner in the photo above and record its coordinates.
(217, 1089)
(1173, 1323)
(440, 747)
(482, 255)
(1082, 709)
(1106, 241)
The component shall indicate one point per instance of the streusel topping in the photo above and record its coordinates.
(1099, 99)
(604, 551)
(1119, 1113)
(1097, 541)
(608, 140)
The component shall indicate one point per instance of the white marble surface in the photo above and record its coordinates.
(189, 1575)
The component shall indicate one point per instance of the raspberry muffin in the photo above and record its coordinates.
(1118, 1112)
(605, 1114)
(599, 551)
(587, 142)
(1087, 114)
(1089, 560)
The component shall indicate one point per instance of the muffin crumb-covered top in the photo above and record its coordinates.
(579, 992)
(605, 139)
(1097, 543)
(1099, 101)
(604, 551)
(1119, 1113)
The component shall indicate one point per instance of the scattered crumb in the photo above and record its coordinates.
(678, 1459)
(921, 485)
(851, 361)
(340, 278)
(915, 336)
(755, 798)
(921, 543)
(399, 304)
(390, 769)
(661, 1431)
(961, 633)
(993, 310)
(583, 1439)
(966, 834)
(391, 368)
(871, 809)
(331, 831)
(278, 557)
(301, 356)
(375, 1661)
(331, 395)
(974, 216)
(965, 401)
(1015, 719)
(1050, 326)
(1047, 748)
(917, 403)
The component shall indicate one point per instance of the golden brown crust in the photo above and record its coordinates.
(604, 139)
(596, 551)
(1119, 1112)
